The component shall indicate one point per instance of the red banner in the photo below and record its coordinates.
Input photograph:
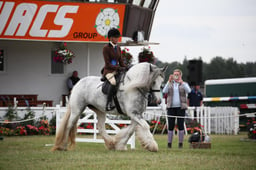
(59, 21)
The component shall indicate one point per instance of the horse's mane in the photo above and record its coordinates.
(138, 76)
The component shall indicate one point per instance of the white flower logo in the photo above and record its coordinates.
(106, 19)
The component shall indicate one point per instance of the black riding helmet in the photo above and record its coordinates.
(113, 32)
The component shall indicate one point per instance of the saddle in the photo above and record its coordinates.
(106, 85)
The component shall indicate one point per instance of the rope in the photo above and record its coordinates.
(19, 121)
(212, 117)
(185, 117)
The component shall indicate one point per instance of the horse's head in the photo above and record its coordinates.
(145, 76)
(157, 79)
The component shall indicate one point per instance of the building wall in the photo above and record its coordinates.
(28, 67)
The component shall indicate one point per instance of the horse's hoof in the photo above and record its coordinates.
(121, 148)
(153, 148)
(55, 148)
(110, 146)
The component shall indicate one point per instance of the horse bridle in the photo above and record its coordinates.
(154, 90)
(146, 92)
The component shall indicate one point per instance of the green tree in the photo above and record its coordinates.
(218, 68)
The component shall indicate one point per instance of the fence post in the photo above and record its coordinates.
(131, 141)
(236, 121)
(208, 110)
(94, 126)
(57, 113)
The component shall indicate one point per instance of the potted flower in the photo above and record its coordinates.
(146, 55)
(251, 124)
(194, 126)
(126, 56)
(63, 55)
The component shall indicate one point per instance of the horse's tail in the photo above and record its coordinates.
(60, 134)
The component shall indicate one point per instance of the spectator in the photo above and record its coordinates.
(176, 91)
(72, 80)
(195, 98)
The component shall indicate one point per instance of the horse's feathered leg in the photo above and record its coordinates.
(119, 141)
(67, 131)
(109, 141)
(145, 137)
(62, 132)
(123, 136)
(72, 129)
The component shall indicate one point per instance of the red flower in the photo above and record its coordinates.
(41, 128)
(197, 128)
(30, 126)
(22, 131)
(121, 125)
(254, 132)
(89, 126)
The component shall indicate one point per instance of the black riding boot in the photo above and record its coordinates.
(111, 92)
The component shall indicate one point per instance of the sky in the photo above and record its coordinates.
(204, 28)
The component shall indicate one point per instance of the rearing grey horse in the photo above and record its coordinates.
(132, 96)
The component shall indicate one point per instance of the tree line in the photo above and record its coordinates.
(218, 68)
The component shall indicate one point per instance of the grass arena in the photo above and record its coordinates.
(31, 152)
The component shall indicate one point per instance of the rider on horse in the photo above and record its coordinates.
(113, 64)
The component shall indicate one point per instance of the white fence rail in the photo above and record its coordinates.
(218, 120)
(49, 112)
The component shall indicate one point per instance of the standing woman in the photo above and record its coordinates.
(176, 91)
(113, 64)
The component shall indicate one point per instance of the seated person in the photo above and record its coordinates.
(72, 80)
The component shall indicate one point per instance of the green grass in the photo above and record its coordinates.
(227, 152)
